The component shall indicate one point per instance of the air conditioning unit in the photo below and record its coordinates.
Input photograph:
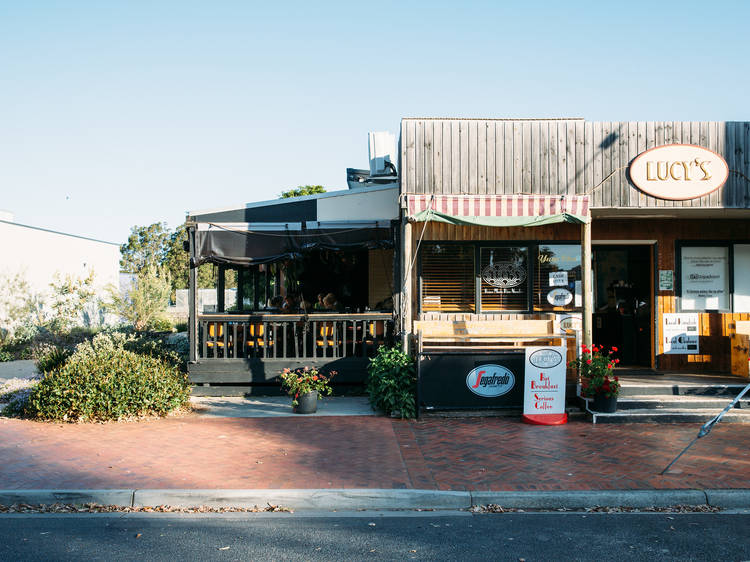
(383, 156)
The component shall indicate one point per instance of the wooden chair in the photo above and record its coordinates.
(215, 337)
(325, 338)
(255, 338)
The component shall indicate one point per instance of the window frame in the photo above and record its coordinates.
(729, 245)
(532, 257)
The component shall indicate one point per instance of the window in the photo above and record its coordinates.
(504, 283)
(557, 282)
(742, 277)
(491, 277)
(448, 278)
(704, 278)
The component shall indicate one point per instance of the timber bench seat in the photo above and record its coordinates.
(489, 334)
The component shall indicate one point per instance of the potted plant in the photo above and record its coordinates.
(595, 369)
(306, 385)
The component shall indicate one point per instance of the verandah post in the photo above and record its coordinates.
(587, 315)
(192, 296)
(405, 298)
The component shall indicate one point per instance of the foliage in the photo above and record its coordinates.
(176, 261)
(49, 356)
(103, 380)
(172, 351)
(70, 296)
(5, 356)
(144, 303)
(17, 305)
(594, 367)
(145, 248)
(304, 380)
(391, 382)
(301, 190)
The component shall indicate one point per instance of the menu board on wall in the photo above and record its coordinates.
(680, 334)
(705, 278)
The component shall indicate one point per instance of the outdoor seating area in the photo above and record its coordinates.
(296, 336)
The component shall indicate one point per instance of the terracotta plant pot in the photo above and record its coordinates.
(307, 403)
(604, 404)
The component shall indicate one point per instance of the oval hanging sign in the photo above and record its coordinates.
(490, 380)
(559, 297)
(678, 171)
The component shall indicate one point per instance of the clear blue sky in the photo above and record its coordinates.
(114, 114)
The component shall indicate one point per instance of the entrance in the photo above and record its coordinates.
(623, 289)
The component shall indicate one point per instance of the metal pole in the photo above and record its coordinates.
(708, 426)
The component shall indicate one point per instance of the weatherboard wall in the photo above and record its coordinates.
(566, 156)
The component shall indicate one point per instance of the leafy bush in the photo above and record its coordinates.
(103, 380)
(5, 356)
(173, 352)
(49, 357)
(391, 382)
(144, 304)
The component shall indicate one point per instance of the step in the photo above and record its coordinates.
(679, 402)
(670, 415)
(633, 389)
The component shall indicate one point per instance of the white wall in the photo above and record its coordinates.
(381, 204)
(39, 254)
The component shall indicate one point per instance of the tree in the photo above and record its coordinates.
(177, 262)
(302, 190)
(144, 303)
(146, 247)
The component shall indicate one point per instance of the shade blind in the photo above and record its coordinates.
(448, 278)
(505, 278)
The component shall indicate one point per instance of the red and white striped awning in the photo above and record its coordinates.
(498, 205)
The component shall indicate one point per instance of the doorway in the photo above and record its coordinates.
(623, 289)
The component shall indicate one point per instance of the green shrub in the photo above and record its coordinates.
(156, 346)
(49, 357)
(5, 356)
(391, 382)
(181, 327)
(161, 324)
(102, 380)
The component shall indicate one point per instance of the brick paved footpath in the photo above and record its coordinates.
(367, 452)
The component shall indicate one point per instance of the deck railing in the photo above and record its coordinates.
(287, 336)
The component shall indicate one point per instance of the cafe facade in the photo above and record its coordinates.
(491, 236)
(633, 235)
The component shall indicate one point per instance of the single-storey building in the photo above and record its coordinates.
(626, 234)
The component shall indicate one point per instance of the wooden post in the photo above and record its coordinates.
(406, 283)
(220, 287)
(192, 297)
(588, 304)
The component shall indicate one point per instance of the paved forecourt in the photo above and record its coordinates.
(477, 454)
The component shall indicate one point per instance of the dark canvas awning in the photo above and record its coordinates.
(257, 243)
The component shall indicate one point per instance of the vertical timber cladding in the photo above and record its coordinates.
(563, 156)
(573, 156)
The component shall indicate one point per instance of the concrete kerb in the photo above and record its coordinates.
(383, 499)
(582, 499)
(322, 499)
(123, 498)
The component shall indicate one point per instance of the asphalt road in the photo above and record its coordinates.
(375, 536)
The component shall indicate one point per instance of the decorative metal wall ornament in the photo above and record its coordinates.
(504, 274)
